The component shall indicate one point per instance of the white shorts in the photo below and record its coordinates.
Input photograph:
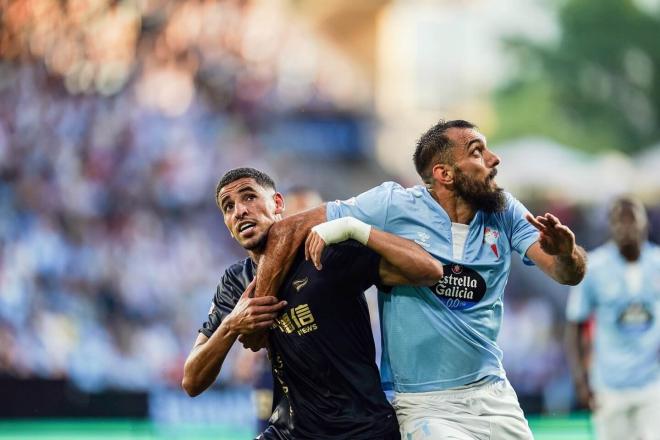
(628, 414)
(482, 412)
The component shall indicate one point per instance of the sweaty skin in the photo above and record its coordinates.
(284, 239)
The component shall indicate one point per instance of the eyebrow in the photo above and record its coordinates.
(473, 141)
(242, 190)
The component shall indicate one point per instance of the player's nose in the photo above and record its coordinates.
(493, 159)
(240, 210)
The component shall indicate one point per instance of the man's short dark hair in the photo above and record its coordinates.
(434, 146)
(230, 176)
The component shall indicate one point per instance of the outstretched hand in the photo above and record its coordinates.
(555, 239)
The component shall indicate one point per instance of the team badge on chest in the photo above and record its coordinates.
(490, 238)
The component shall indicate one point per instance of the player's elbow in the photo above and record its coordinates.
(191, 387)
(574, 278)
(574, 281)
(193, 382)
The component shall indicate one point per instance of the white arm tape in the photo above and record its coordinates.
(341, 229)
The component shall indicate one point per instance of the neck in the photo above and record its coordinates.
(458, 210)
(255, 256)
(630, 253)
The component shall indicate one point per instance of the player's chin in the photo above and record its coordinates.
(255, 242)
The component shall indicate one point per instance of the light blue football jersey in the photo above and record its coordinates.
(624, 298)
(442, 336)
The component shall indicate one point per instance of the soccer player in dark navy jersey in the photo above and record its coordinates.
(320, 340)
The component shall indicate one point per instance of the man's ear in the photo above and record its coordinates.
(443, 173)
(279, 203)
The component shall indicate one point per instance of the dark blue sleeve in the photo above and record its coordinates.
(354, 263)
(229, 291)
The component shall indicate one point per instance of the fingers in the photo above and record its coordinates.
(259, 310)
(307, 245)
(264, 301)
(533, 220)
(314, 246)
(565, 230)
(257, 323)
(552, 218)
(542, 222)
(263, 317)
(317, 252)
(311, 243)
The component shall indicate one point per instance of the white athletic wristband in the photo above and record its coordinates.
(341, 229)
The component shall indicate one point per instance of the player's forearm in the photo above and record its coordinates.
(205, 361)
(576, 353)
(284, 239)
(570, 269)
(406, 257)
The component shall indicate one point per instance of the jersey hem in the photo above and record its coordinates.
(443, 385)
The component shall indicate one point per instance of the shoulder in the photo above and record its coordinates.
(239, 269)
(236, 278)
(513, 210)
(652, 251)
(512, 203)
(601, 256)
(400, 194)
(394, 189)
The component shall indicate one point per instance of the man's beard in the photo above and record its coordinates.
(258, 245)
(480, 195)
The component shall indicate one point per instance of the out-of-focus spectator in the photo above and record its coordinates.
(109, 238)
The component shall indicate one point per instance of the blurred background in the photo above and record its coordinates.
(118, 117)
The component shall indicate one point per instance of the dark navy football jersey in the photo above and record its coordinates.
(321, 346)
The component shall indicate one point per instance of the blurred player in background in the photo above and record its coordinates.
(321, 346)
(296, 199)
(622, 292)
(440, 353)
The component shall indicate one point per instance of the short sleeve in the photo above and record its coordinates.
(580, 305)
(357, 264)
(522, 233)
(226, 297)
(370, 207)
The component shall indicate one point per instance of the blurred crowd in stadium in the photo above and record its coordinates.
(111, 246)
(110, 241)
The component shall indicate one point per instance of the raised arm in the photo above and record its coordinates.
(208, 354)
(403, 261)
(556, 252)
(284, 239)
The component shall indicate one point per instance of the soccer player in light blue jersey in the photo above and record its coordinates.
(622, 292)
(440, 354)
